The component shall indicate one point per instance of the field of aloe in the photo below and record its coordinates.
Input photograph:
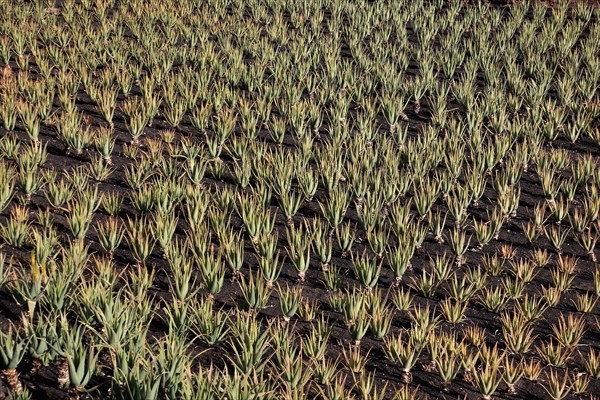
(290, 199)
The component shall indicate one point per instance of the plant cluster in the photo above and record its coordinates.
(249, 199)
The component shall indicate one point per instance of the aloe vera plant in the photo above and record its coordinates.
(255, 292)
(136, 378)
(403, 352)
(487, 379)
(14, 346)
(249, 344)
